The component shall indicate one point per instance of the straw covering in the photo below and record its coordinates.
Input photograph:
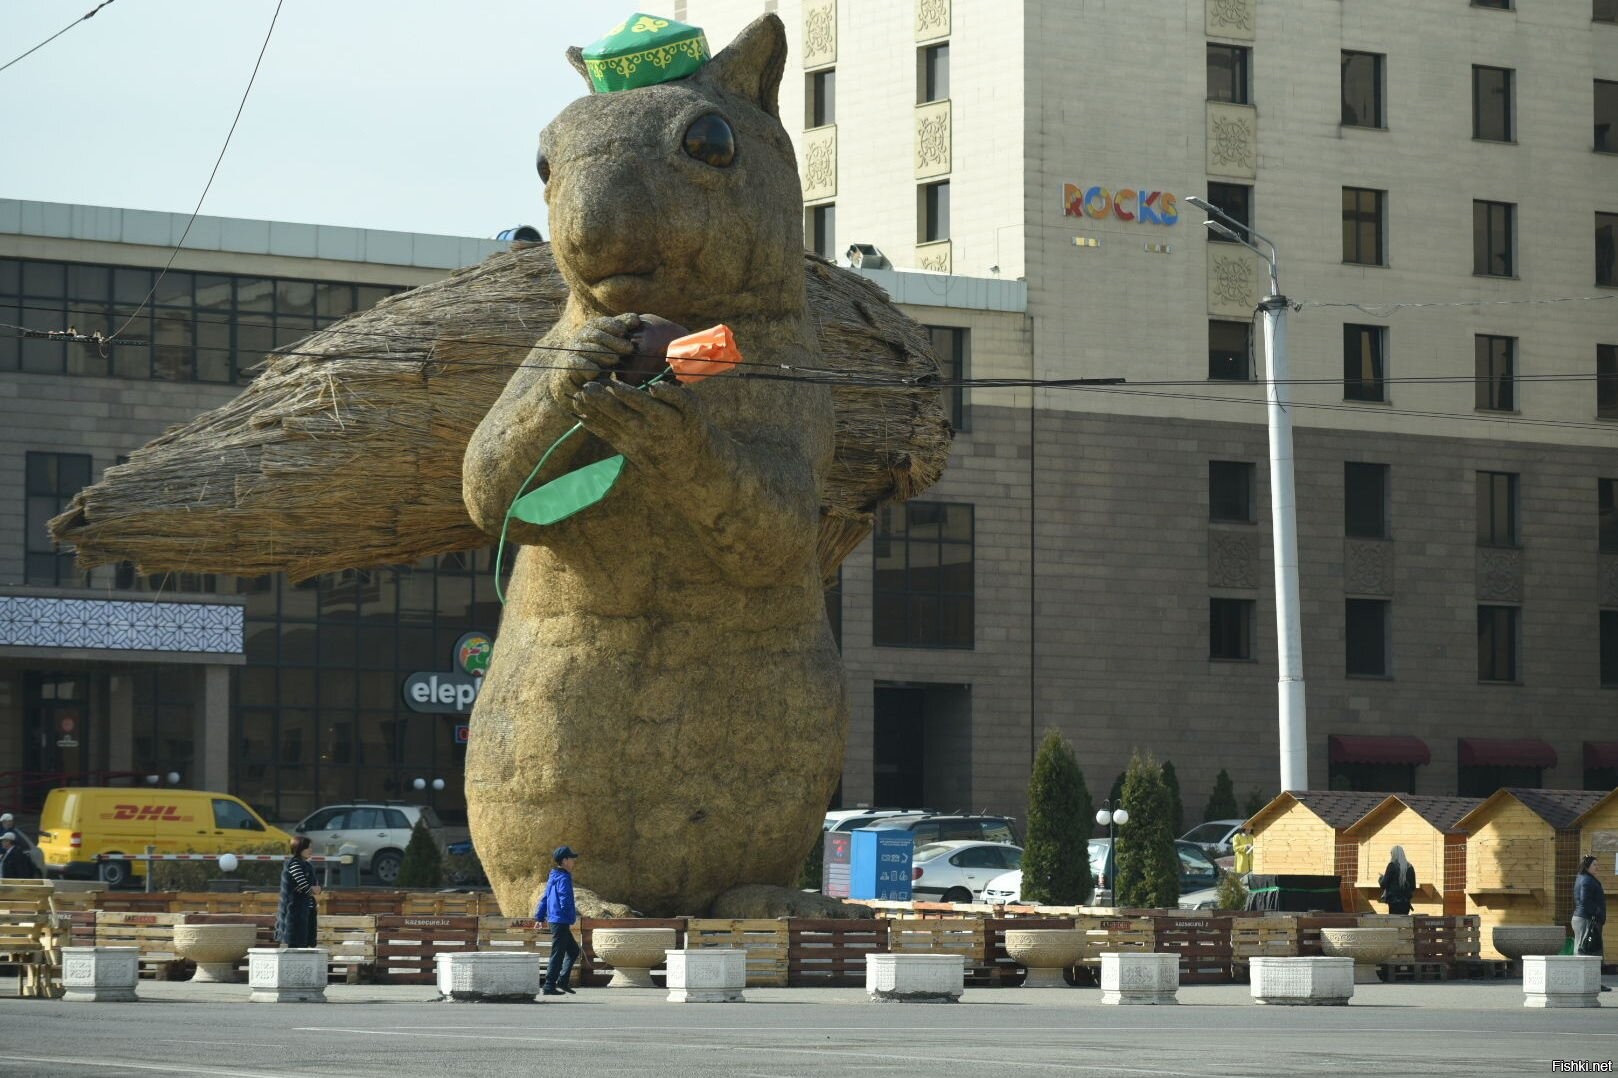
(346, 451)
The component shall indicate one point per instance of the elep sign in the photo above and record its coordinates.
(451, 692)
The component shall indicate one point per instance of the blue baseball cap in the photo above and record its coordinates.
(562, 853)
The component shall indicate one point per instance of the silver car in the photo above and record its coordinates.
(378, 830)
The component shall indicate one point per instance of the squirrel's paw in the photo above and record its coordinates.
(599, 346)
(659, 429)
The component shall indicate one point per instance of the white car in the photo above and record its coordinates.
(1004, 888)
(958, 870)
(380, 830)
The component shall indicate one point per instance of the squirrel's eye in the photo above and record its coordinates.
(710, 140)
(544, 169)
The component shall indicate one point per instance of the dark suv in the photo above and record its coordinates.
(944, 828)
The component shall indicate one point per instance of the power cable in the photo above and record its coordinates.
(205, 187)
(87, 15)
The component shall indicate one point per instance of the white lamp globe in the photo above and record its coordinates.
(438, 784)
(151, 780)
(228, 862)
(1121, 815)
(174, 778)
(1103, 817)
(420, 784)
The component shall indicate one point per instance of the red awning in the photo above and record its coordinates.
(1598, 754)
(1393, 749)
(1492, 752)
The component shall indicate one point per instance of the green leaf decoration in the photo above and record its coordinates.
(567, 494)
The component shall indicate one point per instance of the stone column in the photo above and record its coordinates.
(120, 723)
(210, 728)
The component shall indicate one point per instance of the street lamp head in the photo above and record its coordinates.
(1220, 230)
(1120, 816)
(1103, 817)
(1200, 203)
(420, 784)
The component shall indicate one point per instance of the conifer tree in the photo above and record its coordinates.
(1056, 854)
(1222, 802)
(1171, 782)
(1148, 869)
(423, 865)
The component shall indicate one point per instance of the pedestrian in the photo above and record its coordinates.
(8, 823)
(1398, 882)
(556, 909)
(1241, 846)
(295, 918)
(1589, 910)
(15, 864)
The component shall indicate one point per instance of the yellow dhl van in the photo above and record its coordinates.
(80, 822)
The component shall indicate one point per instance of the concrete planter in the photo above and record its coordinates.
(214, 948)
(100, 974)
(1140, 977)
(1561, 980)
(1367, 947)
(489, 976)
(1514, 942)
(914, 978)
(1317, 982)
(706, 975)
(632, 953)
(292, 975)
(1046, 952)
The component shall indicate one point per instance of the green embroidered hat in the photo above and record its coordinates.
(644, 50)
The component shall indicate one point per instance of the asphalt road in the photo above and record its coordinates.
(1472, 1029)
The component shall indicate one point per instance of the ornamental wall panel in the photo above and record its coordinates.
(820, 34)
(1232, 559)
(1232, 140)
(932, 19)
(1368, 567)
(1607, 580)
(1236, 280)
(933, 149)
(120, 625)
(1499, 575)
(820, 163)
(1235, 19)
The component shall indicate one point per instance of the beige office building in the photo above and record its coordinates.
(1441, 182)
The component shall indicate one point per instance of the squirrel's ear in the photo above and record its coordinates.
(575, 56)
(752, 65)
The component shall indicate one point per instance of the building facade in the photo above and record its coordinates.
(1441, 181)
(289, 696)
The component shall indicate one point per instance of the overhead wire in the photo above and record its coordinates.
(87, 15)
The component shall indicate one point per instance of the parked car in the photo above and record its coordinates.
(1197, 869)
(850, 819)
(461, 864)
(1004, 888)
(957, 870)
(1214, 836)
(1205, 899)
(380, 831)
(80, 822)
(936, 827)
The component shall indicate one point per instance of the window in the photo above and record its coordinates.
(1491, 103)
(932, 73)
(1363, 211)
(1493, 228)
(821, 230)
(1230, 351)
(1609, 648)
(932, 212)
(820, 98)
(953, 346)
(1497, 509)
(51, 481)
(1228, 67)
(1607, 381)
(1481, 780)
(1607, 250)
(1362, 89)
(1230, 492)
(1497, 642)
(1365, 362)
(1230, 629)
(1236, 199)
(922, 582)
(1501, 5)
(1365, 630)
(1365, 500)
(1607, 515)
(228, 815)
(1606, 108)
(1496, 373)
(1604, 10)
(1371, 778)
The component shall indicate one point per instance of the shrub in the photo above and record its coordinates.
(1232, 893)
(809, 872)
(423, 864)
(196, 875)
(1056, 855)
(1171, 782)
(1148, 869)
(1222, 802)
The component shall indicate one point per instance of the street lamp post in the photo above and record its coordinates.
(1111, 815)
(1292, 715)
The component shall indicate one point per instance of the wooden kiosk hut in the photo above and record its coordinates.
(1304, 833)
(1522, 849)
(1426, 828)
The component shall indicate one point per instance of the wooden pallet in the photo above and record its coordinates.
(27, 941)
(153, 933)
(244, 903)
(958, 935)
(449, 904)
(591, 970)
(407, 945)
(1444, 938)
(765, 941)
(1415, 971)
(832, 952)
(1202, 940)
(998, 967)
(513, 934)
(1470, 969)
(1118, 932)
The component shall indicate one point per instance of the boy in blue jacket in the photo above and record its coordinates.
(557, 910)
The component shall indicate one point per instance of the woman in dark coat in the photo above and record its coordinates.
(1398, 882)
(295, 919)
(1589, 906)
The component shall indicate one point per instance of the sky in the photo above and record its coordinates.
(413, 115)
